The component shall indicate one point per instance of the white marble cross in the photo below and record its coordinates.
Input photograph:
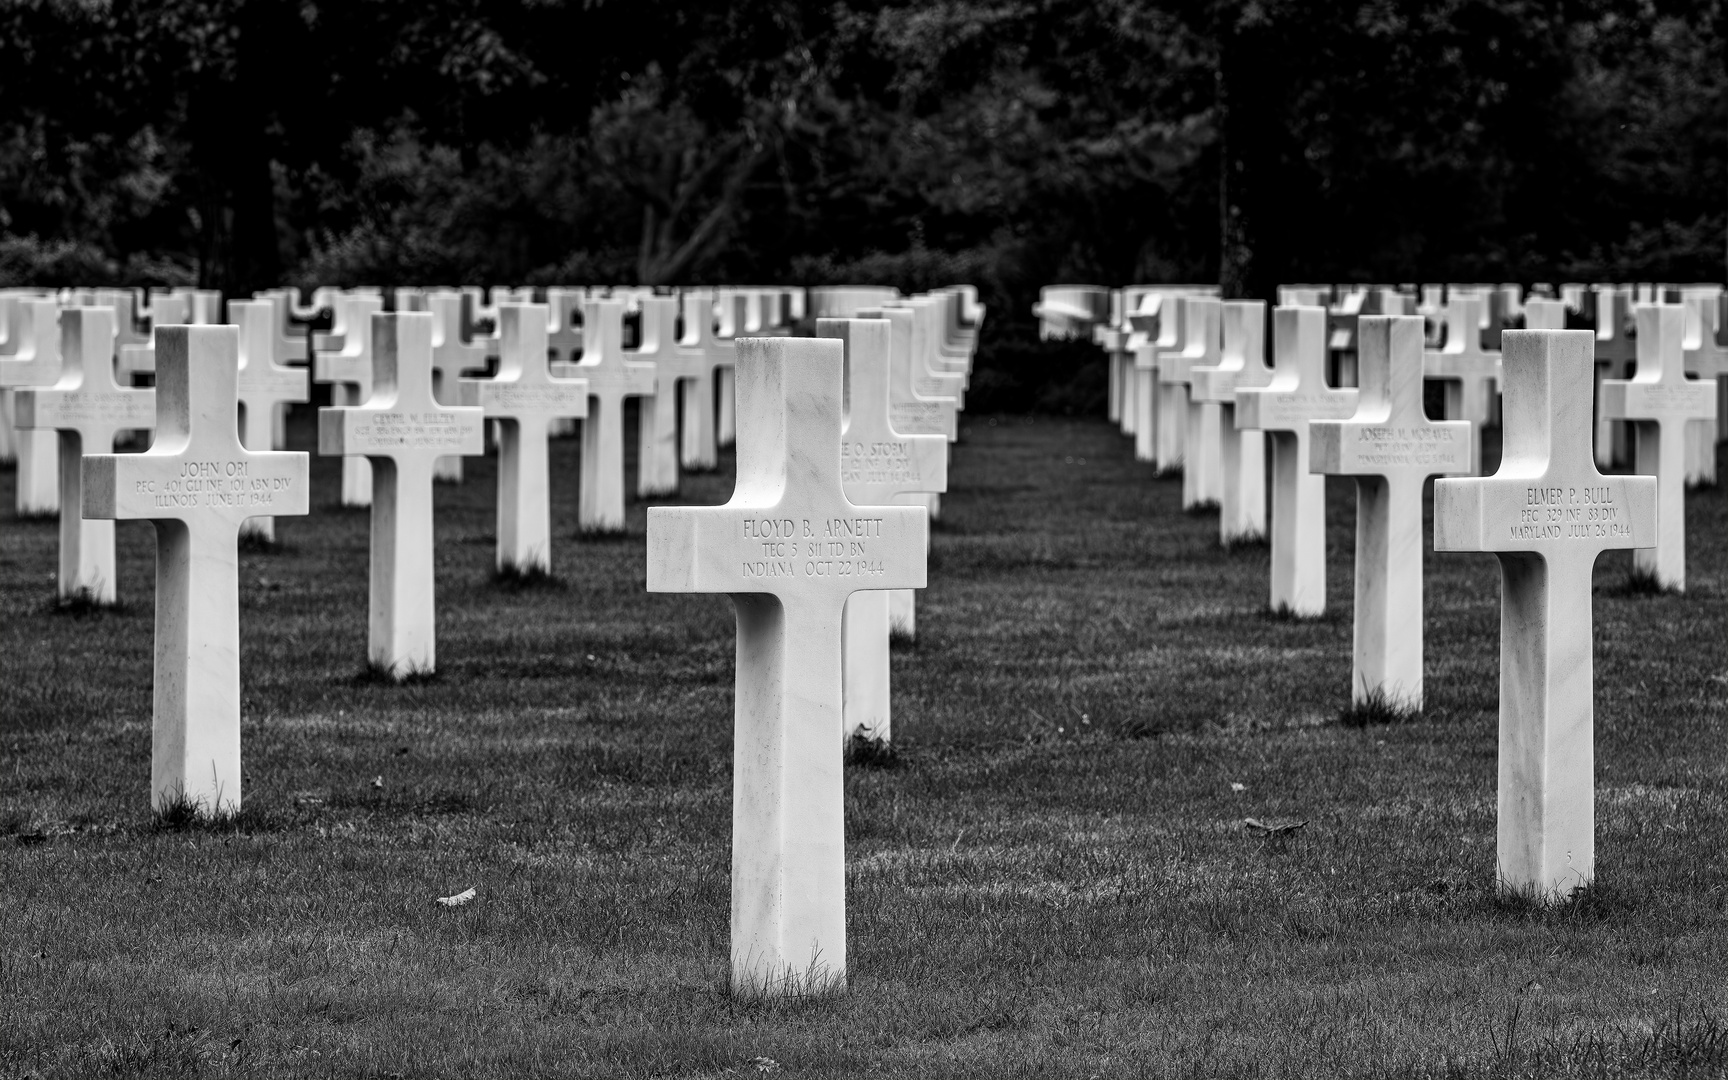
(1547, 514)
(1242, 451)
(879, 466)
(1470, 374)
(166, 309)
(1284, 408)
(912, 413)
(197, 484)
(263, 386)
(1391, 448)
(789, 548)
(33, 359)
(1706, 359)
(527, 400)
(289, 346)
(452, 360)
(1543, 314)
(89, 408)
(701, 450)
(1201, 343)
(401, 429)
(348, 367)
(1616, 354)
(1162, 424)
(1659, 403)
(676, 368)
(612, 377)
(564, 326)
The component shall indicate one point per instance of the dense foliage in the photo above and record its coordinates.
(1010, 142)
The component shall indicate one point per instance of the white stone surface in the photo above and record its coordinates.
(1391, 448)
(1202, 344)
(1547, 514)
(347, 364)
(879, 466)
(789, 548)
(197, 483)
(912, 413)
(166, 309)
(700, 450)
(402, 430)
(35, 361)
(262, 386)
(1471, 374)
(1616, 355)
(1242, 451)
(1297, 395)
(453, 359)
(1659, 402)
(612, 377)
(1706, 359)
(1544, 314)
(527, 400)
(676, 369)
(1162, 426)
(88, 408)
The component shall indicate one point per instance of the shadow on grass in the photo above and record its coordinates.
(82, 605)
(606, 536)
(1378, 707)
(866, 752)
(1598, 902)
(530, 579)
(376, 674)
(253, 544)
(183, 813)
(1201, 510)
(1641, 583)
(1283, 614)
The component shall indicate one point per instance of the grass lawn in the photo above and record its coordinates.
(1052, 878)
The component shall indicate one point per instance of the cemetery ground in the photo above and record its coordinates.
(1051, 875)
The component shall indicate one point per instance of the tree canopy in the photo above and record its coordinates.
(1008, 142)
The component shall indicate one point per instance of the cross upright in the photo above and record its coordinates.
(401, 429)
(1616, 354)
(527, 400)
(564, 327)
(1242, 451)
(288, 346)
(1543, 314)
(166, 309)
(1660, 403)
(349, 369)
(879, 466)
(700, 451)
(1546, 514)
(911, 413)
(452, 360)
(675, 369)
(1469, 373)
(32, 358)
(1160, 427)
(1201, 342)
(89, 408)
(263, 386)
(789, 548)
(1284, 408)
(1391, 448)
(927, 382)
(198, 483)
(1706, 359)
(612, 377)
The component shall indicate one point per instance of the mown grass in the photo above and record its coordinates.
(1050, 875)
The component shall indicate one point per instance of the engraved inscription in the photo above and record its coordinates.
(877, 463)
(1409, 446)
(430, 430)
(1282, 409)
(1570, 513)
(74, 407)
(224, 484)
(510, 398)
(811, 547)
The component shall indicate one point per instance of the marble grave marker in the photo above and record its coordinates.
(789, 548)
(263, 386)
(1547, 514)
(402, 430)
(347, 365)
(197, 484)
(1242, 451)
(1391, 448)
(612, 376)
(33, 359)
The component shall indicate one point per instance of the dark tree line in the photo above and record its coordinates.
(1008, 142)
